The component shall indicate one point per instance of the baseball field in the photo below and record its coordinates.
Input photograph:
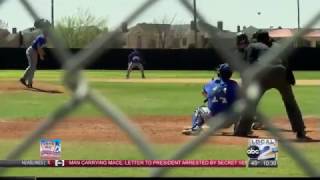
(160, 106)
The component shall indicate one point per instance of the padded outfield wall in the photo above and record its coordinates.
(156, 59)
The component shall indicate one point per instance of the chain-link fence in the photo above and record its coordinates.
(82, 93)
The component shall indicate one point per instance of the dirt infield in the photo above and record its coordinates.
(157, 129)
(11, 86)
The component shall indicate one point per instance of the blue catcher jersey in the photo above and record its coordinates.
(40, 41)
(221, 94)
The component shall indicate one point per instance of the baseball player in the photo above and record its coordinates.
(135, 60)
(32, 53)
(276, 77)
(220, 93)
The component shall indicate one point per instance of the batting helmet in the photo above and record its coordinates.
(224, 71)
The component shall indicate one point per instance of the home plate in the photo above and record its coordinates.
(205, 127)
(227, 133)
(219, 133)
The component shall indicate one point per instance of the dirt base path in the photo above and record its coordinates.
(38, 86)
(157, 129)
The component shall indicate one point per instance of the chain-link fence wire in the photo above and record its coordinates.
(82, 93)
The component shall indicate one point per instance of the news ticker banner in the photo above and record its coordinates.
(124, 163)
(261, 153)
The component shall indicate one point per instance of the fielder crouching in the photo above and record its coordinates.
(221, 93)
(135, 60)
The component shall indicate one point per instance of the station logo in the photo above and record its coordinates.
(262, 153)
(50, 149)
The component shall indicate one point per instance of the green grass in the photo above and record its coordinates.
(272, 105)
(107, 151)
(143, 99)
(56, 75)
(43, 74)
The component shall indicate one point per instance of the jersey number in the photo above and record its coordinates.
(222, 100)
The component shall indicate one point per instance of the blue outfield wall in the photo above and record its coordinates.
(156, 59)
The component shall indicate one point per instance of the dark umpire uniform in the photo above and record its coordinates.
(276, 76)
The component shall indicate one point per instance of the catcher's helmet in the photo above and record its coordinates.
(224, 71)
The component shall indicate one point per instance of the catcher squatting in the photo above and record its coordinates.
(220, 94)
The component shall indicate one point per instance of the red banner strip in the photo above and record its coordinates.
(147, 163)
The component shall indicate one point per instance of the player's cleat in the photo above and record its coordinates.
(203, 127)
(193, 132)
(303, 137)
(29, 86)
(258, 126)
(250, 133)
(243, 134)
(23, 82)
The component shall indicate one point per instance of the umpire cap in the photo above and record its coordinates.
(242, 38)
(224, 71)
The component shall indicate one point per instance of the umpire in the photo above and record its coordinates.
(276, 76)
